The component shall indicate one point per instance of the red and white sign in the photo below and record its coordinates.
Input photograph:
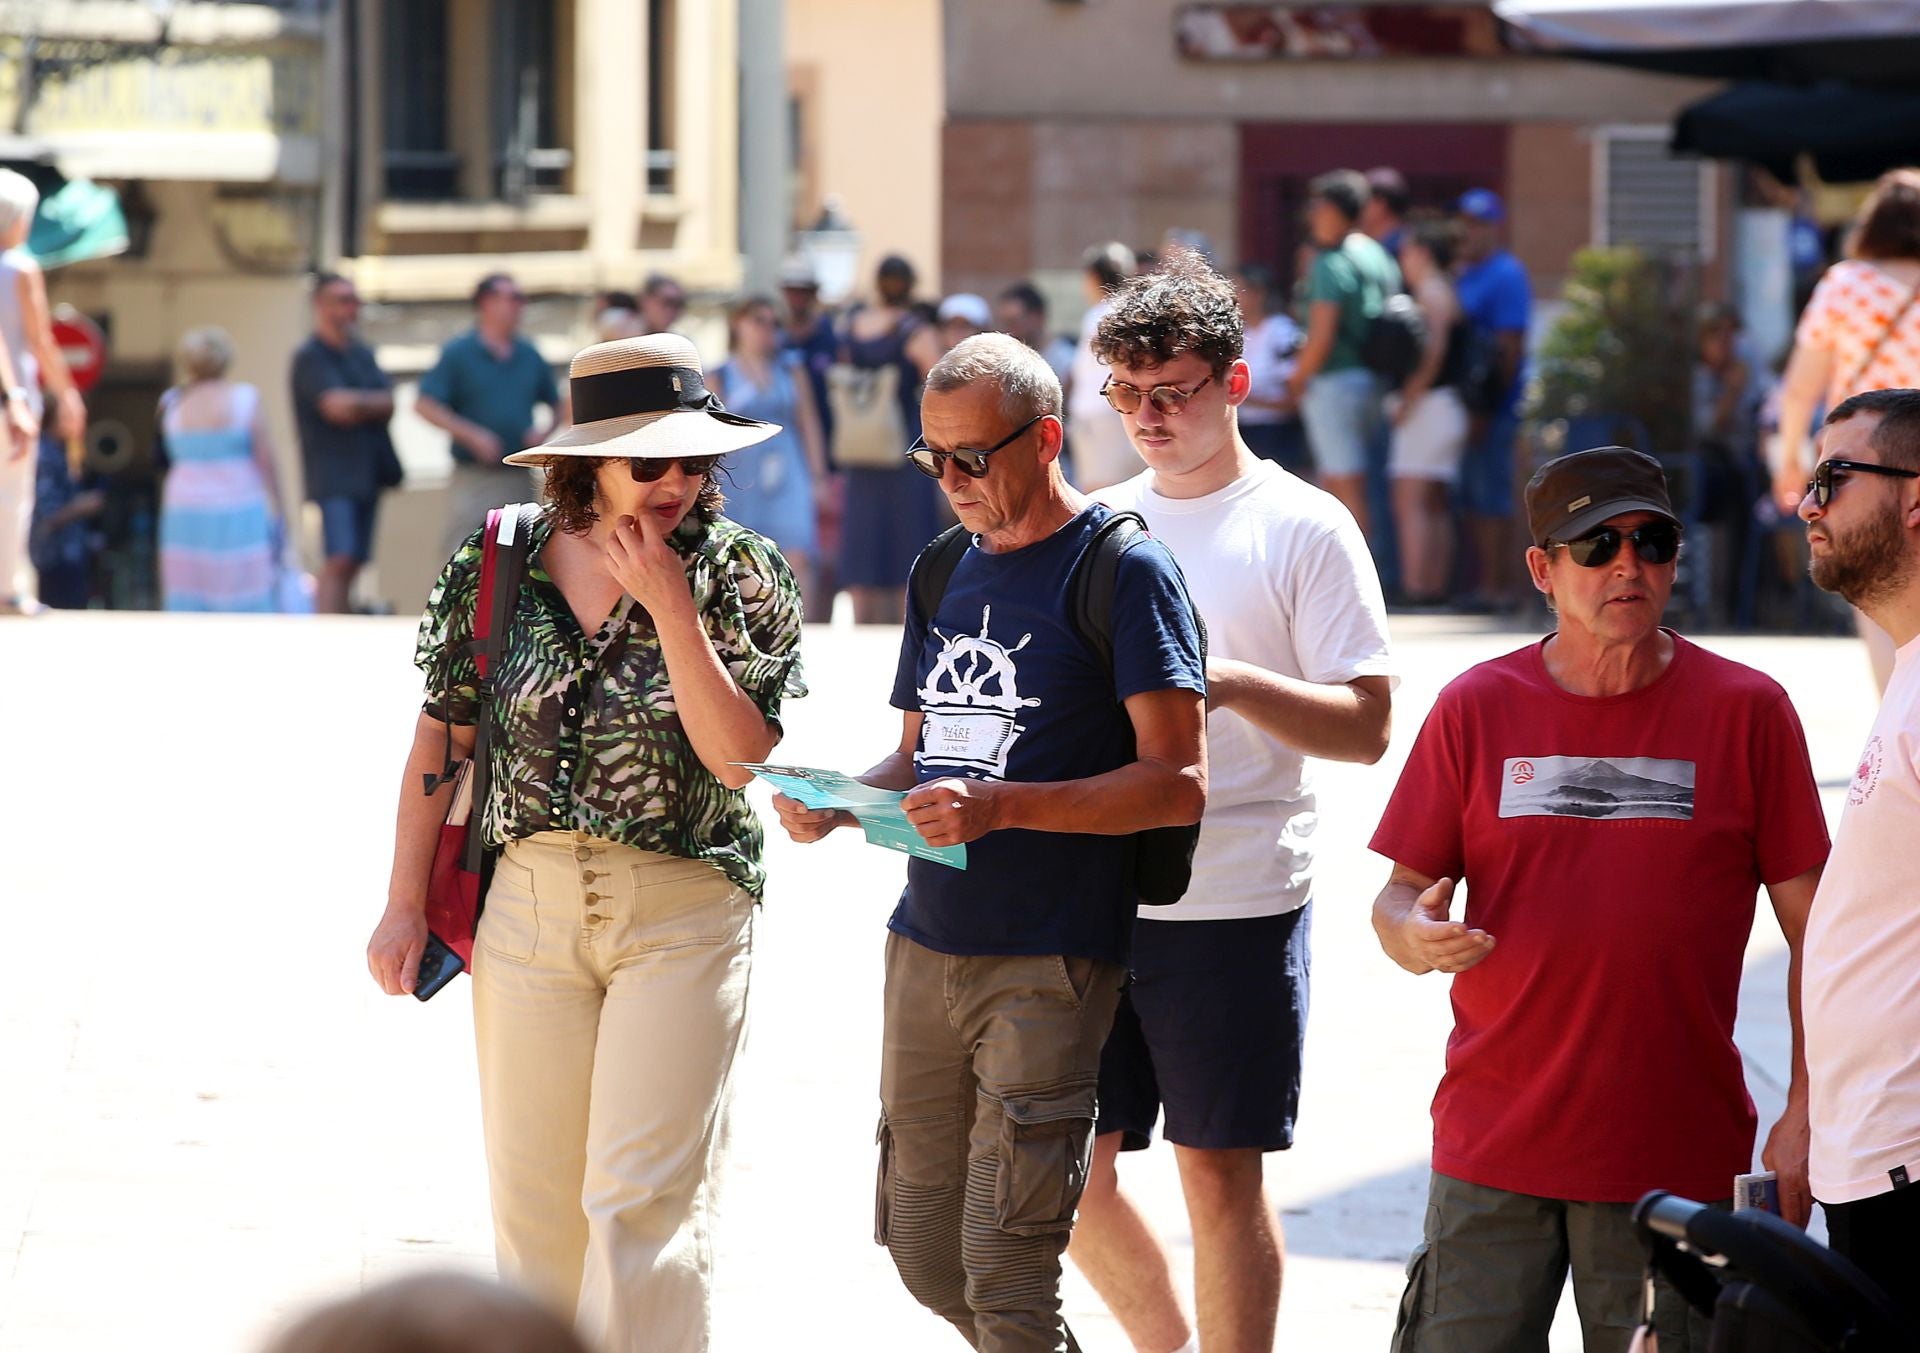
(82, 344)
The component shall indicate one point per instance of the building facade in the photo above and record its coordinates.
(415, 145)
(1075, 121)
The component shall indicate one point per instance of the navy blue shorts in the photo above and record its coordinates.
(346, 527)
(1211, 1029)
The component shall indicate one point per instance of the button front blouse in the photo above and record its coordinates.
(586, 734)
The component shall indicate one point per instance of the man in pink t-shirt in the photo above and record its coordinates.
(1613, 798)
(1862, 968)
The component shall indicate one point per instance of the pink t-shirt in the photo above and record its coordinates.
(1613, 847)
(1860, 988)
(1854, 304)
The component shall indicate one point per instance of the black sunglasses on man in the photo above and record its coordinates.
(1821, 486)
(973, 464)
(1656, 542)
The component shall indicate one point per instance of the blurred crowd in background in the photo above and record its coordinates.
(1390, 364)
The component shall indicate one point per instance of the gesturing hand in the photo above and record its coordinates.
(1430, 941)
(951, 812)
(646, 567)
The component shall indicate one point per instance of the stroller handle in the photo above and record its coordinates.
(1666, 1214)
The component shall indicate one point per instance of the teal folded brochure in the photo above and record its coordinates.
(878, 810)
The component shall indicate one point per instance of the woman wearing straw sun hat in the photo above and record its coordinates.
(649, 649)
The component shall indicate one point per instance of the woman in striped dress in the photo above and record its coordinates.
(219, 514)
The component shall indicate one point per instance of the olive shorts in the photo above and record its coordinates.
(1490, 1268)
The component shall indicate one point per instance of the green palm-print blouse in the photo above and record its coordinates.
(586, 736)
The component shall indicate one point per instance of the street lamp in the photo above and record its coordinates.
(832, 246)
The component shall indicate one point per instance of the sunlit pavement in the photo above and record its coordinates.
(209, 1116)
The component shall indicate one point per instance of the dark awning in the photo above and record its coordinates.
(1865, 42)
(1852, 134)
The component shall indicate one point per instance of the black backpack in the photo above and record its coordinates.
(1396, 339)
(1162, 856)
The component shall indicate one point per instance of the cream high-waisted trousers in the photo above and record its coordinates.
(610, 994)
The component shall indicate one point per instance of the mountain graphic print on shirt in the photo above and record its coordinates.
(1596, 787)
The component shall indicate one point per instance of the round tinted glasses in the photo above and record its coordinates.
(1656, 542)
(1169, 399)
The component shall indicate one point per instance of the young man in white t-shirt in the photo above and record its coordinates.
(1211, 1026)
(1861, 985)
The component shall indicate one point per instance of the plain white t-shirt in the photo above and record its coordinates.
(1089, 373)
(1270, 352)
(1860, 985)
(1282, 576)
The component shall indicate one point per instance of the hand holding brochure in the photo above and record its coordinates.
(878, 810)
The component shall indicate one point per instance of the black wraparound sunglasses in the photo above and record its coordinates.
(647, 469)
(1656, 542)
(973, 464)
(1821, 485)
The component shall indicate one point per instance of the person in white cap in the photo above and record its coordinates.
(648, 653)
(962, 315)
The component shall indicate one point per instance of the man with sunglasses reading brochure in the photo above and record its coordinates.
(1043, 757)
(1612, 797)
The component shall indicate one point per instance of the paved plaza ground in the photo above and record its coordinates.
(209, 1115)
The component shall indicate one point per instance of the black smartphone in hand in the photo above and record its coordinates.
(439, 965)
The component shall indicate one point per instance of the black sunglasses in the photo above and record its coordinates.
(1169, 399)
(1821, 485)
(1656, 542)
(933, 464)
(648, 469)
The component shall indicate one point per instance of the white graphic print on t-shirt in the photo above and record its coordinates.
(970, 701)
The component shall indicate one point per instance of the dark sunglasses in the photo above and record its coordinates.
(647, 469)
(973, 464)
(1169, 399)
(1821, 485)
(1657, 542)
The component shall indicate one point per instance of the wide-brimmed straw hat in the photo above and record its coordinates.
(645, 397)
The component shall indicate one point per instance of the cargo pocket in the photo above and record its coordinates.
(1415, 1302)
(1046, 1143)
(883, 1182)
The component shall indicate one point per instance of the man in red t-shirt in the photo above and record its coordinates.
(1612, 797)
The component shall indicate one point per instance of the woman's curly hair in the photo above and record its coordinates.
(573, 488)
(1184, 307)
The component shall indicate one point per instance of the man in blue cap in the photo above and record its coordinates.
(1498, 300)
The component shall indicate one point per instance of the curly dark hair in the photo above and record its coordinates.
(573, 488)
(1184, 307)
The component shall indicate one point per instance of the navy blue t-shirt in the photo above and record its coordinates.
(1010, 691)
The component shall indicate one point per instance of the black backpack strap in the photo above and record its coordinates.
(933, 570)
(510, 571)
(1162, 863)
(1096, 580)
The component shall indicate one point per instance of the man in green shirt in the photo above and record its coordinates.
(483, 391)
(1339, 398)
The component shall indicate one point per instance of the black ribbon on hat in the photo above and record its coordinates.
(648, 389)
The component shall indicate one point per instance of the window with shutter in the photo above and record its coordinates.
(1649, 198)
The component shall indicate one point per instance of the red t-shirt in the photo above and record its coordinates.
(1613, 847)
